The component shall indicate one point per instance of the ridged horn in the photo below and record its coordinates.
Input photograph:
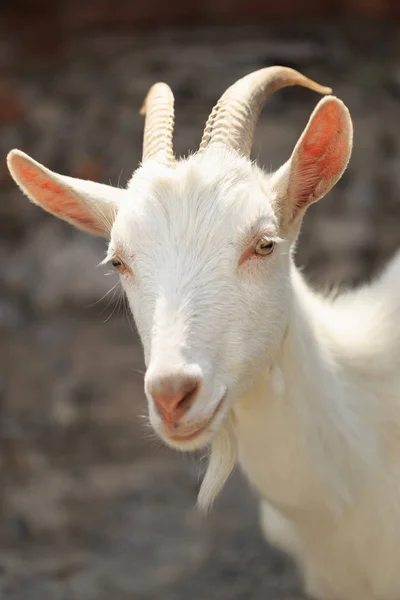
(159, 124)
(233, 119)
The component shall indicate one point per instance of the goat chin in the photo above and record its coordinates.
(223, 456)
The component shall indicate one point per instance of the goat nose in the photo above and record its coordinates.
(173, 395)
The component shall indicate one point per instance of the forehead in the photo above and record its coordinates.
(205, 194)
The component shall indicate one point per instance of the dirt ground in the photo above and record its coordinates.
(92, 507)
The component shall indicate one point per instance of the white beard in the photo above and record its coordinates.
(223, 456)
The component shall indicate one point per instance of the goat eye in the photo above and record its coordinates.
(264, 247)
(116, 263)
(120, 266)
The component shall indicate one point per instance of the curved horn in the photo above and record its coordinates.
(159, 124)
(233, 119)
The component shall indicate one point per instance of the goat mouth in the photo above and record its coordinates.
(197, 432)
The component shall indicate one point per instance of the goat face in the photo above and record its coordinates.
(202, 245)
(205, 270)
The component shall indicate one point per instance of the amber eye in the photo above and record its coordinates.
(264, 246)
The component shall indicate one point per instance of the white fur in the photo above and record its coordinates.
(310, 385)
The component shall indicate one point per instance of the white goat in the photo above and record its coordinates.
(240, 353)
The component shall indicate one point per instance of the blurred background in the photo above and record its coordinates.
(92, 507)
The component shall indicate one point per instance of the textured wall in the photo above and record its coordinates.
(56, 17)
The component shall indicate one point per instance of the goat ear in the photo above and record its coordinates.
(319, 158)
(85, 204)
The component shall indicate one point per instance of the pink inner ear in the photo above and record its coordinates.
(54, 197)
(321, 156)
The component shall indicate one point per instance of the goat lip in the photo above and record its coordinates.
(201, 429)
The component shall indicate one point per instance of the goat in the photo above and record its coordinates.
(302, 390)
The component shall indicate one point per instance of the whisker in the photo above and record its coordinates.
(105, 295)
(111, 300)
(119, 177)
(117, 305)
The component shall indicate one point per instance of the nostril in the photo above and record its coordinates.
(186, 401)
